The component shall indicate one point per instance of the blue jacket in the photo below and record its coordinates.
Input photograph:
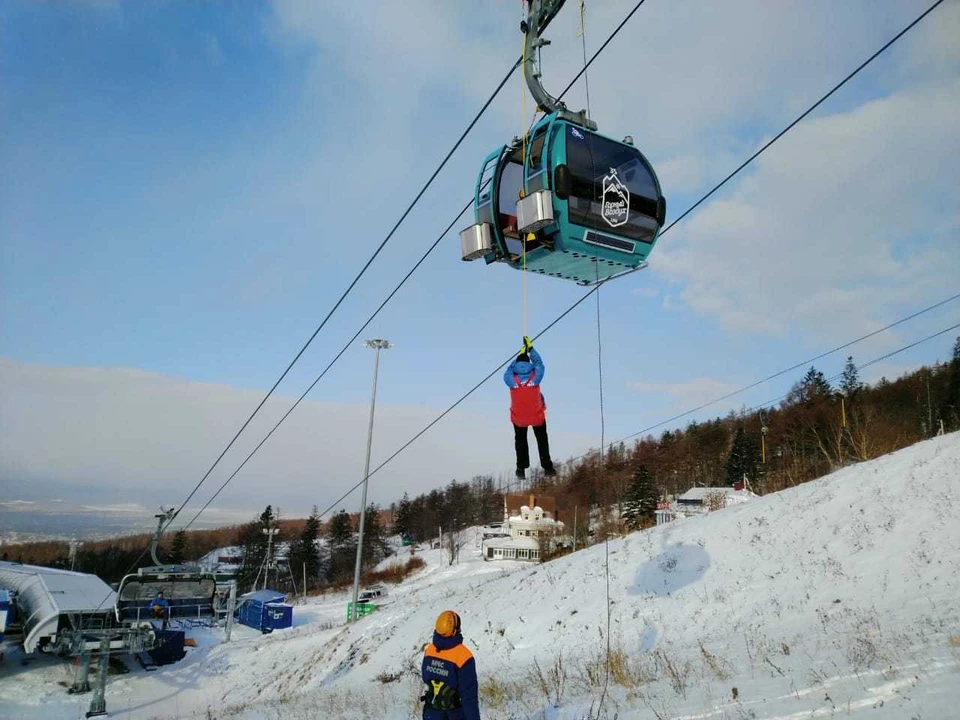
(448, 662)
(524, 369)
(161, 601)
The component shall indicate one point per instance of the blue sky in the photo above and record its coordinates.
(186, 188)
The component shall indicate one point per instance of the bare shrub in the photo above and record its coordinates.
(719, 667)
(715, 500)
(675, 672)
(552, 682)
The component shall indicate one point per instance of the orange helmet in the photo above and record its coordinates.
(448, 623)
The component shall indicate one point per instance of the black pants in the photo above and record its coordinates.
(523, 449)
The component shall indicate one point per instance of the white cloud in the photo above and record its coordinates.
(850, 215)
(141, 439)
(690, 393)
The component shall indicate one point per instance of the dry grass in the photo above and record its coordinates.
(395, 573)
(718, 667)
(497, 695)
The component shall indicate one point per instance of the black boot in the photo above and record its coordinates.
(521, 475)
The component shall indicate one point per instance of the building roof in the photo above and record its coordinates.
(699, 494)
(44, 594)
(519, 542)
(265, 596)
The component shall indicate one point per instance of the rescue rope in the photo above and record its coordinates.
(606, 541)
(583, 43)
(523, 158)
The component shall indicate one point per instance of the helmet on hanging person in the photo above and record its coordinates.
(448, 624)
(523, 357)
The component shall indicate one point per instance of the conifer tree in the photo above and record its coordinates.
(743, 458)
(178, 548)
(342, 546)
(401, 517)
(641, 500)
(374, 545)
(850, 384)
(953, 389)
(304, 557)
(254, 543)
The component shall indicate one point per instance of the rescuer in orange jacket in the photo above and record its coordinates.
(528, 408)
(450, 674)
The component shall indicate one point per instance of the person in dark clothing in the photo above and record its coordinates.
(450, 674)
(160, 608)
(528, 407)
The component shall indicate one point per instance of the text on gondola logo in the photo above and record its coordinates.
(616, 200)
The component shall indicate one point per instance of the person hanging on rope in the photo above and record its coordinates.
(528, 408)
(450, 674)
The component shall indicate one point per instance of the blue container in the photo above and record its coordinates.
(7, 612)
(265, 610)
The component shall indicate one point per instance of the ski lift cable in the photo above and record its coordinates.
(779, 373)
(743, 165)
(409, 274)
(775, 400)
(356, 279)
(865, 365)
(329, 365)
(686, 213)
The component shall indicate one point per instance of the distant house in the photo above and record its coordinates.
(223, 562)
(526, 519)
(700, 500)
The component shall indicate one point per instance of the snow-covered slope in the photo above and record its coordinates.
(838, 597)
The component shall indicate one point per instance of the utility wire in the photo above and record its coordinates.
(415, 267)
(699, 202)
(865, 365)
(775, 400)
(777, 374)
(331, 364)
(671, 225)
(359, 275)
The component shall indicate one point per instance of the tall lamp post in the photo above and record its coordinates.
(378, 345)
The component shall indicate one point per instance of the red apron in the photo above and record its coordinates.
(526, 403)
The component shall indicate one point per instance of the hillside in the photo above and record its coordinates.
(838, 597)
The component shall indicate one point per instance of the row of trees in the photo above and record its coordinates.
(317, 554)
(818, 427)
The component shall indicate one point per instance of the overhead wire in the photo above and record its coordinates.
(363, 270)
(780, 373)
(419, 262)
(769, 403)
(606, 539)
(356, 279)
(876, 360)
(596, 287)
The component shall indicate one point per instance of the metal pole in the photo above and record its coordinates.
(378, 345)
(575, 508)
(231, 606)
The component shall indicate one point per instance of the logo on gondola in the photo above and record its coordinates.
(616, 200)
(576, 133)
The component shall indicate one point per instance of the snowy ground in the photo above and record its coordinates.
(837, 598)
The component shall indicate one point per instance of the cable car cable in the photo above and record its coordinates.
(780, 373)
(332, 362)
(683, 215)
(809, 110)
(672, 224)
(419, 195)
(415, 267)
(768, 403)
(350, 287)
